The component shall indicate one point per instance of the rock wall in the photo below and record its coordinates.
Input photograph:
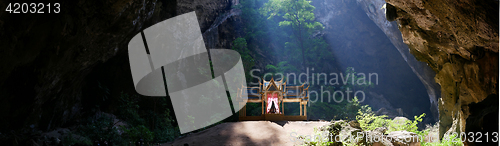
(459, 41)
(374, 10)
(371, 45)
(45, 58)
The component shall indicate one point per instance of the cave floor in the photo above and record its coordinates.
(251, 133)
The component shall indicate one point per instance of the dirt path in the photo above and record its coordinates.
(251, 133)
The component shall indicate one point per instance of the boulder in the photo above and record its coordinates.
(404, 138)
(354, 124)
(396, 138)
(400, 120)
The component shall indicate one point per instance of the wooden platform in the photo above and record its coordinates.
(273, 117)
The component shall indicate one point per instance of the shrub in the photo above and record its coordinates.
(408, 125)
(369, 121)
(139, 133)
(139, 122)
(72, 139)
(453, 140)
(129, 109)
(100, 129)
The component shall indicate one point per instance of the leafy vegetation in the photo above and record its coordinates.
(353, 81)
(453, 140)
(138, 133)
(72, 139)
(297, 14)
(368, 121)
(132, 124)
(285, 30)
(101, 129)
(281, 67)
(240, 45)
(335, 111)
(343, 106)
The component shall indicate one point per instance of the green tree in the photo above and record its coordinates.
(281, 67)
(240, 45)
(298, 14)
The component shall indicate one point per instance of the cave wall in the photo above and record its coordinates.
(374, 10)
(459, 41)
(357, 41)
(45, 58)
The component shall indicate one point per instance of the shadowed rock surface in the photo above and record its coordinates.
(361, 37)
(375, 11)
(45, 58)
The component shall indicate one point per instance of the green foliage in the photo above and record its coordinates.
(369, 121)
(329, 109)
(137, 133)
(318, 53)
(139, 122)
(259, 31)
(266, 37)
(408, 125)
(240, 45)
(343, 106)
(163, 130)
(129, 108)
(151, 125)
(355, 82)
(281, 67)
(101, 128)
(453, 140)
(297, 14)
(72, 139)
(254, 109)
